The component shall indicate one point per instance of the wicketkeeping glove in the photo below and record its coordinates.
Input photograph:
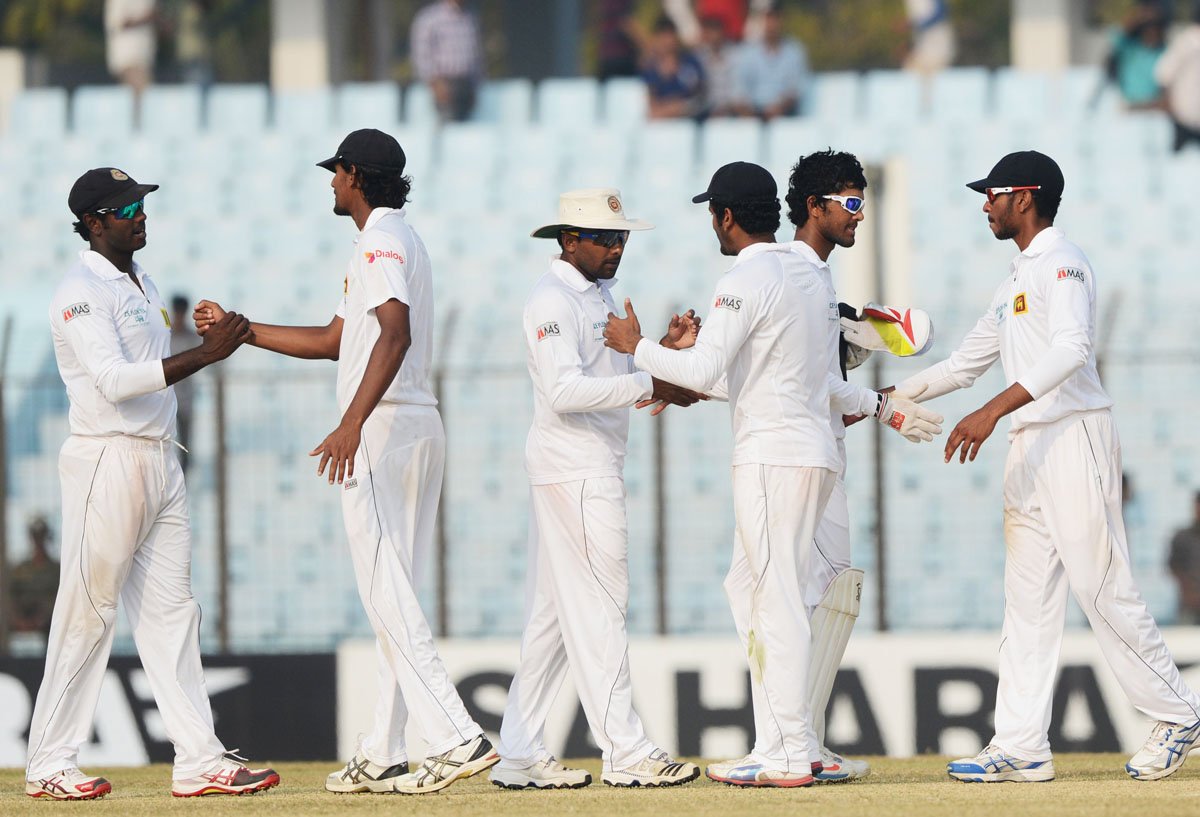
(914, 422)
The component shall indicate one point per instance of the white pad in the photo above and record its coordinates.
(902, 332)
(831, 623)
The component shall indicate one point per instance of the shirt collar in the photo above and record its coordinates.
(373, 219)
(1042, 241)
(808, 253)
(103, 269)
(572, 277)
(758, 249)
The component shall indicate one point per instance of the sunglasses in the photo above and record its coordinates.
(851, 204)
(124, 213)
(992, 192)
(603, 238)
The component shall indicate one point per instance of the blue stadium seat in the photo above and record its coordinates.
(958, 94)
(892, 96)
(729, 140)
(1022, 95)
(625, 102)
(419, 110)
(171, 110)
(303, 112)
(508, 101)
(834, 96)
(568, 104)
(38, 113)
(104, 111)
(237, 108)
(368, 105)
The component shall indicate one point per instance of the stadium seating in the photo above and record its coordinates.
(244, 216)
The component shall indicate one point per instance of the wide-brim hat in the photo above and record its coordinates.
(597, 208)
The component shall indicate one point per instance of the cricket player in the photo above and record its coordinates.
(125, 528)
(577, 591)
(387, 456)
(1062, 488)
(773, 334)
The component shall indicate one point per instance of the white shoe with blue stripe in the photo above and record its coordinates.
(994, 765)
(1164, 751)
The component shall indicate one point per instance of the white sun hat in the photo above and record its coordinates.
(597, 208)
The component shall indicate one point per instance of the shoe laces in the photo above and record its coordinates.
(830, 756)
(1159, 736)
(74, 774)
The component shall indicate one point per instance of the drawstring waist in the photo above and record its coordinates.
(146, 444)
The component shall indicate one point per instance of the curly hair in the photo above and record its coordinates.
(383, 189)
(821, 174)
(82, 230)
(755, 217)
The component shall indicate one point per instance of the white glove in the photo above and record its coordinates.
(914, 422)
(913, 393)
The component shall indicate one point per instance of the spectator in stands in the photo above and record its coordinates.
(772, 74)
(673, 75)
(34, 583)
(618, 40)
(1178, 73)
(1136, 48)
(718, 56)
(731, 14)
(131, 33)
(182, 339)
(1184, 563)
(933, 41)
(447, 54)
(193, 42)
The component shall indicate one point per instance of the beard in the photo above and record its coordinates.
(1002, 231)
(340, 211)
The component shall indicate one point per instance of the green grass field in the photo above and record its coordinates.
(1090, 785)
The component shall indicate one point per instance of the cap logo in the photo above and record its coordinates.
(614, 204)
(118, 175)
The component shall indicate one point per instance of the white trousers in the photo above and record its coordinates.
(389, 508)
(577, 592)
(777, 510)
(125, 534)
(1063, 529)
(831, 545)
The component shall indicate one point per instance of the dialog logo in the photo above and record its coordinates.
(374, 255)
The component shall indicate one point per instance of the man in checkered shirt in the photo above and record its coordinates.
(447, 54)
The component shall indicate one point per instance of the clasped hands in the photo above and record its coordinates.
(624, 334)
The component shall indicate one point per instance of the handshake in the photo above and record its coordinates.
(901, 412)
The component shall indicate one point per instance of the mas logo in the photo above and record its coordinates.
(727, 302)
(1070, 274)
(1019, 305)
(548, 330)
(75, 310)
(373, 255)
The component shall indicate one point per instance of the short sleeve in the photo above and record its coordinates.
(384, 271)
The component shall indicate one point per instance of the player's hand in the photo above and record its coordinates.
(224, 337)
(623, 334)
(205, 315)
(338, 450)
(850, 419)
(667, 394)
(682, 331)
(914, 422)
(970, 433)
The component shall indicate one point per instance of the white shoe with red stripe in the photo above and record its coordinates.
(229, 775)
(68, 784)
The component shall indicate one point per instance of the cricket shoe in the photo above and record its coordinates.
(833, 768)
(68, 784)
(1164, 751)
(656, 770)
(363, 775)
(543, 774)
(439, 771)
(994, 765)
(749, 772)
(229, 775)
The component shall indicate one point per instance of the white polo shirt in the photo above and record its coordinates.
(582, 390)
(110, 339)
(1042, 325)
(389, 261)
(774, 330)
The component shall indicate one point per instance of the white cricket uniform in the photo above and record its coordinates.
(125, 530)
(773, 332)
(1062, 498)
(577, 587)
(390, 504)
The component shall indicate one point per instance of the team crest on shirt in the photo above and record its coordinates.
(727, 302)
(75, 310)
(374, 255)
(1070, 274)
(548, 330)
(1020, 307)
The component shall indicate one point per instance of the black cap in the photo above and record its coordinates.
(369, 148)
(104, 187)
(740, 181)
(1025, 168)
